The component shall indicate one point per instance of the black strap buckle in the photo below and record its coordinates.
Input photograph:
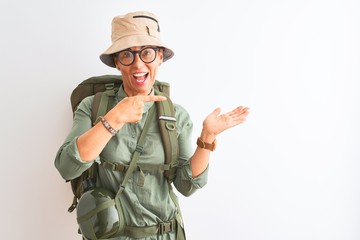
(139, 148)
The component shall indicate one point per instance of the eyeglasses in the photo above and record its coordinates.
(147, 55)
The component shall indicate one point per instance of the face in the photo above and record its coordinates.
(139, 77)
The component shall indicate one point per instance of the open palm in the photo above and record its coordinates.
(215, 123)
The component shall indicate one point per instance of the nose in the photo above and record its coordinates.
(137, 59)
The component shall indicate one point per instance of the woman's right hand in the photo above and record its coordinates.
(130, 109)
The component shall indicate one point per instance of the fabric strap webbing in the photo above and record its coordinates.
(134, 159)
(142, 232)
(140, 166)
(103, 102)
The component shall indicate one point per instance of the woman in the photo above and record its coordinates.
(137, 52)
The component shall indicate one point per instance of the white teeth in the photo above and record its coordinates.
(139, 74)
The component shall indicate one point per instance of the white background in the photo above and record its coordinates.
(290, 172)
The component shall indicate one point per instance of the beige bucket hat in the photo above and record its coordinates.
(134, 29)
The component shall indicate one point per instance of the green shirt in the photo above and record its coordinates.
(147, 203)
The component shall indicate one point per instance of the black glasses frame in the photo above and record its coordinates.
(139, 53)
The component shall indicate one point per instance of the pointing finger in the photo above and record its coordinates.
(153, 98)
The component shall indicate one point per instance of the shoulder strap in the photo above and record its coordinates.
(138, 150)
(103, 102)
(167, 124)
(132, 166)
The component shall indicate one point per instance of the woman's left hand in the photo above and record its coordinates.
(215, 123)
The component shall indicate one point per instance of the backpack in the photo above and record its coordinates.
(104, 89)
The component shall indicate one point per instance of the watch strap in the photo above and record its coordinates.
(205, 145)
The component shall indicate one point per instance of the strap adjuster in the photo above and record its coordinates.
(114, 166)
(139, 148)
(166, 227)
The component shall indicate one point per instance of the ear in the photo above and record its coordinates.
(161, 57)
(116, 63)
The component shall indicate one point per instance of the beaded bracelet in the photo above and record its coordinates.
(108, 126)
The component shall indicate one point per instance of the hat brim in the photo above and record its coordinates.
(133, 41)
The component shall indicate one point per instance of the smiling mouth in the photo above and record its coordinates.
(140, 77)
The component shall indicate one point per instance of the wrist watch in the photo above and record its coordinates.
(205, 145)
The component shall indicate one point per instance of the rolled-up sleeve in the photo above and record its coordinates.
(184, 182)
(67, 160)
